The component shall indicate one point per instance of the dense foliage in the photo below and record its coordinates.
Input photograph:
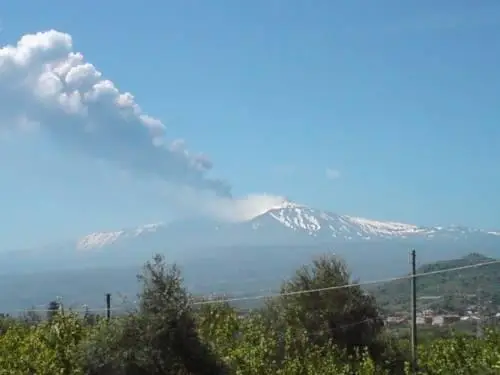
(332, 332)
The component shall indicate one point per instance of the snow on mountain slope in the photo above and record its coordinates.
(300, 219)
(101, 239)
(316, 222)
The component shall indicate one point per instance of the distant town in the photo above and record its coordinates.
(472, 314)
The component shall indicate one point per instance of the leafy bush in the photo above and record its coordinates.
(45, 349)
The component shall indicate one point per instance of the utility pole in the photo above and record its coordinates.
(413, 343)
(108, 306)
(479, 327)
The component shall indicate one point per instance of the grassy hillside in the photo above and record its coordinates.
(451, 291)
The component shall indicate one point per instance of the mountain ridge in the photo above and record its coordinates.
(267, 248)
(298, 218)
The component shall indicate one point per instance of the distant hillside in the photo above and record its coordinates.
(451, 291)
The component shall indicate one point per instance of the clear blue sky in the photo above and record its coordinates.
(400, 98)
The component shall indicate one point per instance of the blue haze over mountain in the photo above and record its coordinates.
(243, 258)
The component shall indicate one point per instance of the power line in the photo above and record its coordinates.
(304, 291)
(336, 287)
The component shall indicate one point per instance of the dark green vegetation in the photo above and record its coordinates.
(450, 291)
(330, 332)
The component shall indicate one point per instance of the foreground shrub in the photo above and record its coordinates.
(462, 355)
(45, 349)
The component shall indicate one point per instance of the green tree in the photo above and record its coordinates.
(343, 313)
(160, 338)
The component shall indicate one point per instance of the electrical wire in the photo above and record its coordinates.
(337, 287)
(299, 292)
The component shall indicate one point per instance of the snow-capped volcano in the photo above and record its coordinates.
(269, 246)
(324, 224)
(314, 222)
(283, 219)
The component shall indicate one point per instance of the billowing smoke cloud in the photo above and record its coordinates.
(45, 85)
(190, 201)
(240, 209)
